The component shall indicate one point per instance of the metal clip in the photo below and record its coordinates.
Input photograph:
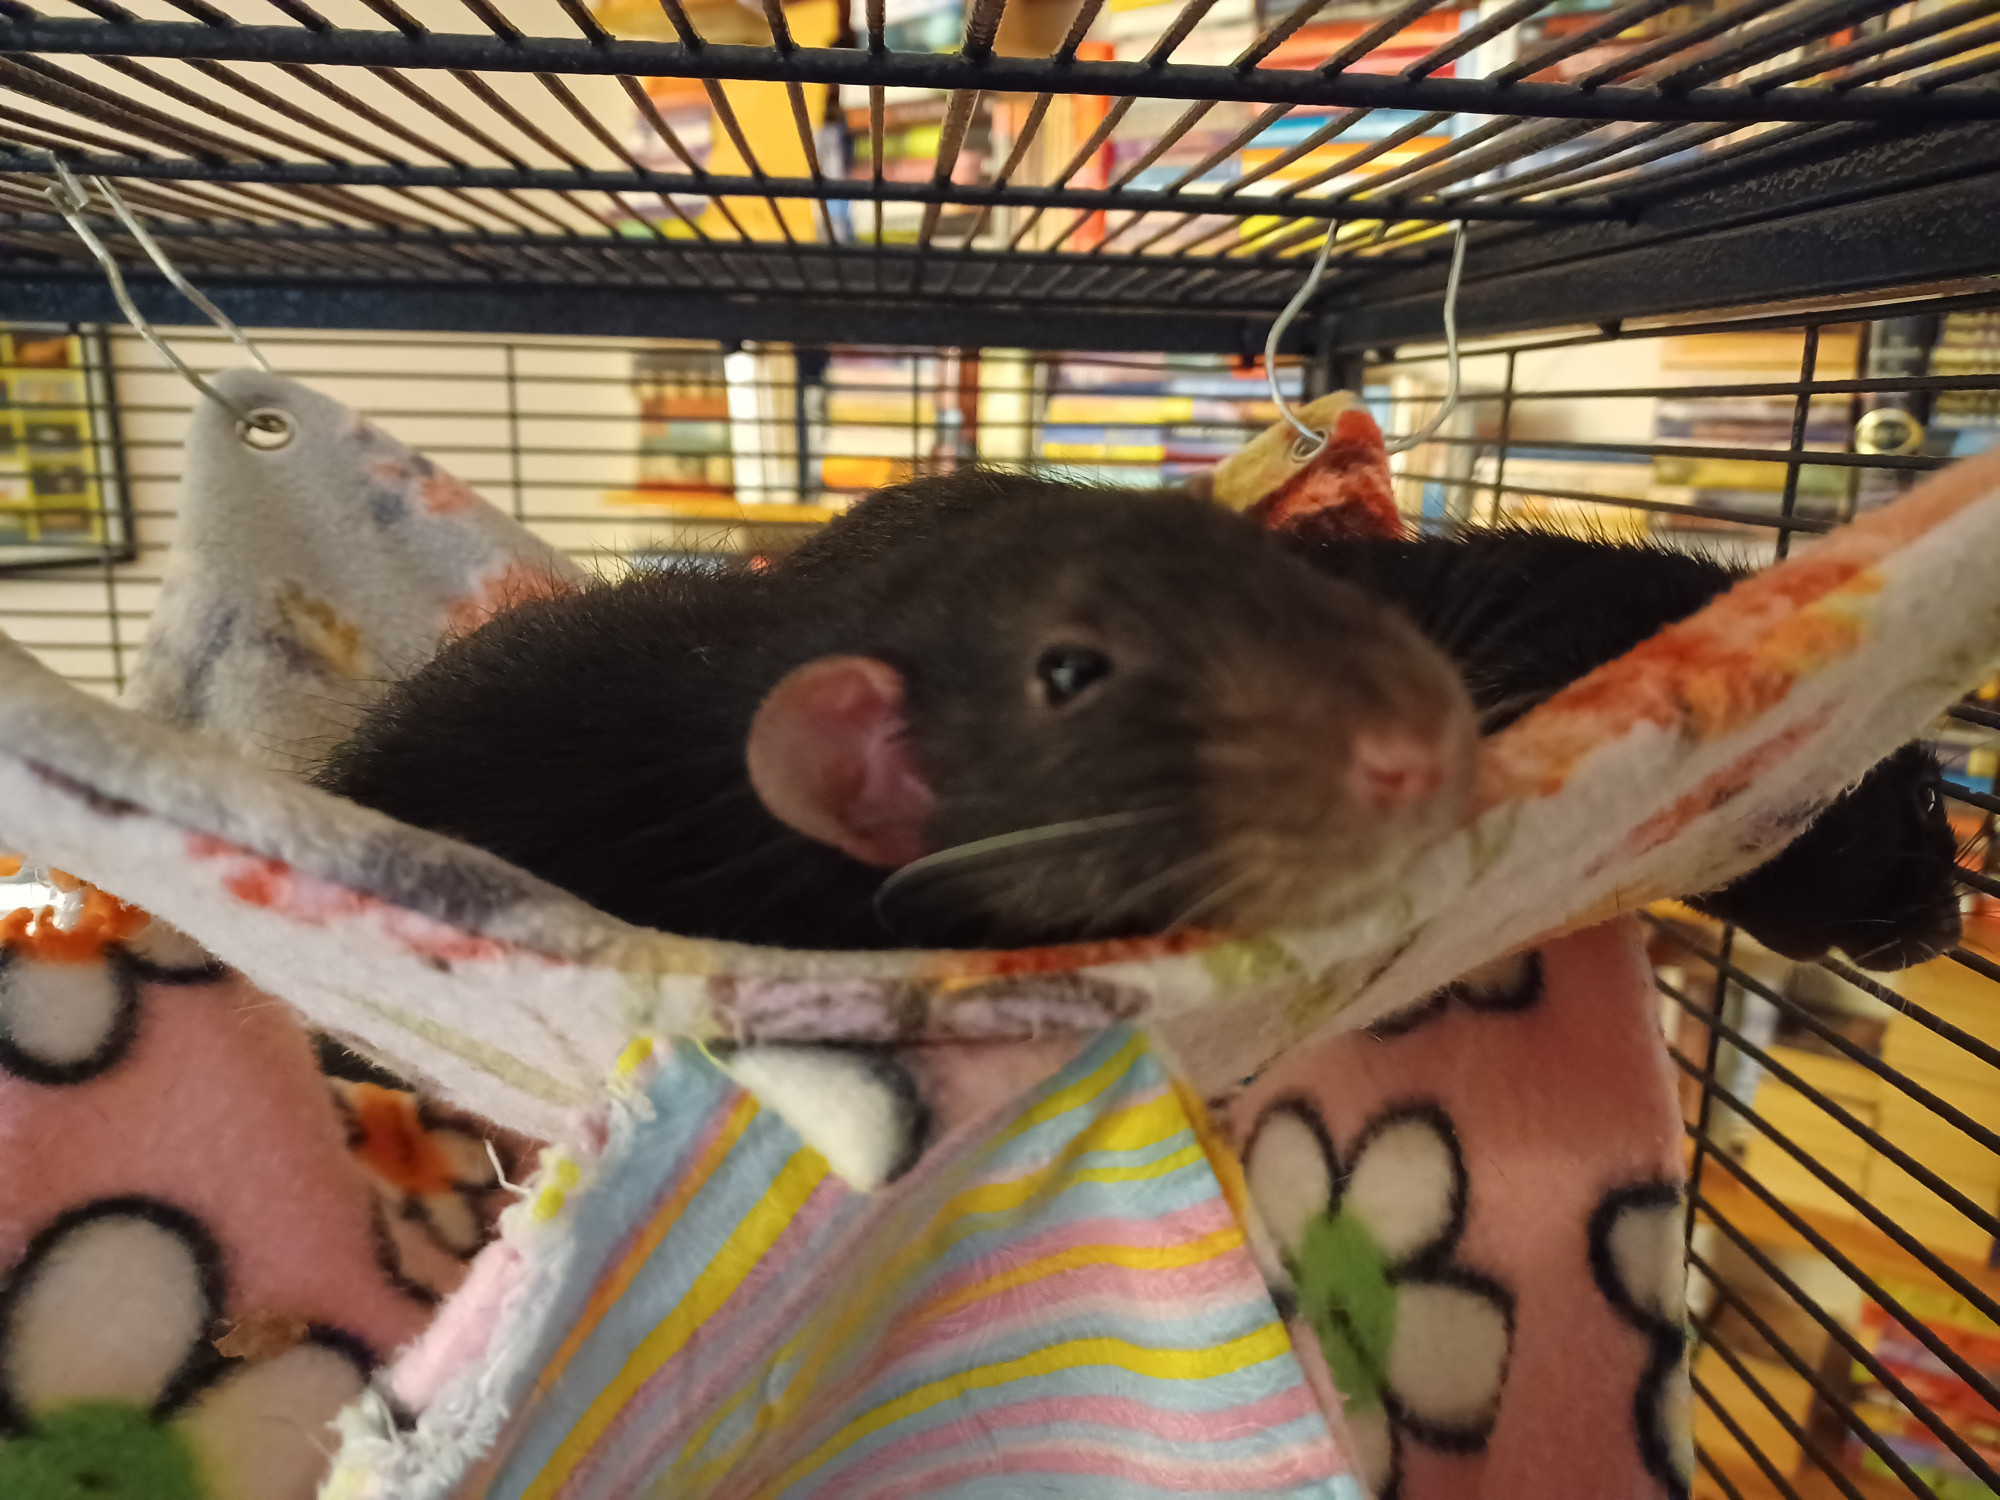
(1311, 443)
(71, 200)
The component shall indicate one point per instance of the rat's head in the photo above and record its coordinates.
(1078, 713)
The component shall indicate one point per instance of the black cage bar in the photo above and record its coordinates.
(451, 173)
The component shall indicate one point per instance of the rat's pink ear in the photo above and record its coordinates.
(827, 758)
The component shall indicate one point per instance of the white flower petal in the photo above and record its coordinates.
(414, 1251)
(454, 1222)
(1291, 1181)
(1648, 1258)
(110, 1313)
(167, 947)
(1675, 1414)
(839, 1103)
(59, 1014)
(1449, 1354)
(470, 1161)
(1503, 978)
(1405, 1187)
(264, 1433)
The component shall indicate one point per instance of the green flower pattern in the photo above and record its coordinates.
(1346, 1295)
(105, 1450)
(111, 1390)
(1416, 1342)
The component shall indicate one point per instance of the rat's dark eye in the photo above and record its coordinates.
(1065, 671)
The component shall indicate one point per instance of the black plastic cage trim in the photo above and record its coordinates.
(828, 294)
(822, 189)
(688, 313)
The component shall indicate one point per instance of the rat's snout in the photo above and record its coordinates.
(1397, 772)
(1392, 769)
(1335, 766)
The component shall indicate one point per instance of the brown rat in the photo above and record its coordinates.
(1080, 713)
(1523, 613)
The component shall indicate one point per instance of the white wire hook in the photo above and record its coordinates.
(71, 200)
(1310, 443)
(1450, 403)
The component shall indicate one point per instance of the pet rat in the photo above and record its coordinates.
(1079, 713)
(1524, 613)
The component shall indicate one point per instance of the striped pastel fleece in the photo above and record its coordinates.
(1063, 1304)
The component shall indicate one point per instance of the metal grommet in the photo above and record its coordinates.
(266, 429)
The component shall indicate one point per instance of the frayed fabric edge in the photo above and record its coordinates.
(383, 1455)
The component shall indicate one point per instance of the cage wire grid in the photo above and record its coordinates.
(450, 163)
(1810, 1136)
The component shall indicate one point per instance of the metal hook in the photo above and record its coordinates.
(1310, 443)
(71, 200)
(1450, 403)
(1317, 440)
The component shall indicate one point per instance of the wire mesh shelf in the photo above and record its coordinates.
(1151, 175)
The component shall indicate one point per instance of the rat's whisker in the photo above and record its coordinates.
(1022, 843)
(1003, 843)
(1217, 896)
(1135, 897)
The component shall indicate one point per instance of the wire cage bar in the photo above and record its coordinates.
(464, 169)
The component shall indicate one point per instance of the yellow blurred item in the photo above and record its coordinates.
(763, 110)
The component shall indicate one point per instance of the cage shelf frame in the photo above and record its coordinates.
(1696, 180)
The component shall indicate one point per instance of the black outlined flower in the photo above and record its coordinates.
(111, 1387)
(1638, 1259)
(1416, 1341)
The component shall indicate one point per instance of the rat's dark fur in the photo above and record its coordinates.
(1524, 613)
(598, 740)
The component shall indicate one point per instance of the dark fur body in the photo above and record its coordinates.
(1523, 613)
(598, 740)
